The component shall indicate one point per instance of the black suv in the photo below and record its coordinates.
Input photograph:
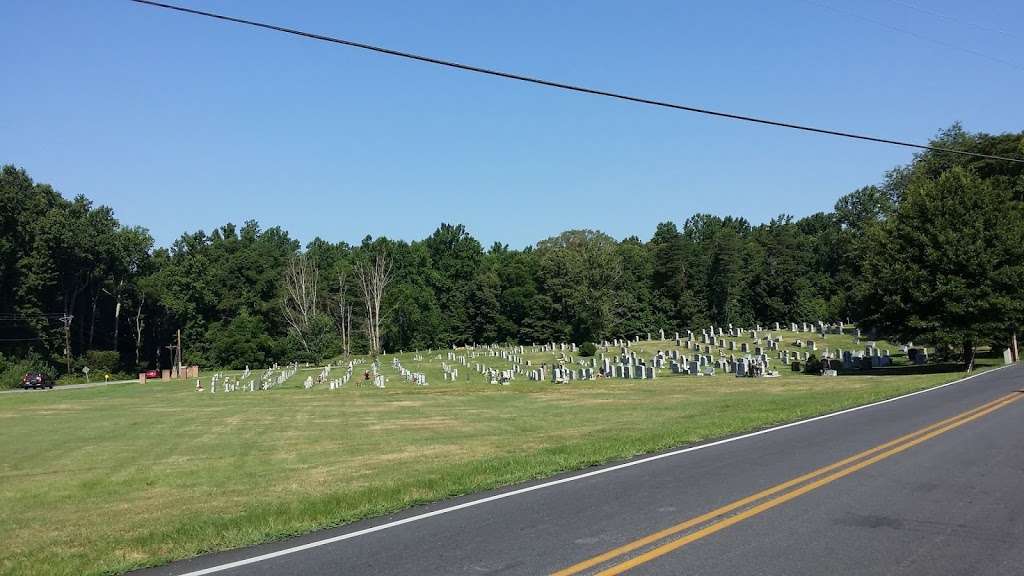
(36, 380)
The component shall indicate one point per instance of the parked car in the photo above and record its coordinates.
(152, 374)
(36, 380)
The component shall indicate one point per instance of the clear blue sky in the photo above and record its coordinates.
(183, 123)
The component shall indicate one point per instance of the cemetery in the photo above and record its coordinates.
(722, 351)
(136, 474)
(220, 381)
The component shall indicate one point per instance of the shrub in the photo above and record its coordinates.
(102, 361)
(588, 349)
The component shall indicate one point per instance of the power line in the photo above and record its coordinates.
(570, 87)
(29, 315)
(913, 34)
(17, 318)
(951, 18)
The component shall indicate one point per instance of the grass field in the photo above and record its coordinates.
(107, 479)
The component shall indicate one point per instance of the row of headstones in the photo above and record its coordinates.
(552, 347)
(660, 358)
(773, 343)
(707, 366)
(628, 365)
(820, 327)
(566, 375)
(448, 372)
(337, 383)
(787, 357)
(851, 361)
(378, 378)
(639, 371)
(513, 355)
(417, 378)
(323, 376)
(271, 377)
(460, 358)
(495, 376)
(276, 376)
(227, 384)
(503, 377)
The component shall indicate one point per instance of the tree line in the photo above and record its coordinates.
(933, 252)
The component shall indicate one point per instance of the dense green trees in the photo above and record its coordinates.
(934, 253)
(949, 265)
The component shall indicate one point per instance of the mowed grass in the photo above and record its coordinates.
(108, 479)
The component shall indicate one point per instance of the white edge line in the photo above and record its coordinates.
(425, 515)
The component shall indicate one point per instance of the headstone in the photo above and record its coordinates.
(741, 368)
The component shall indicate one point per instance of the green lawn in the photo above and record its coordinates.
(107, 479)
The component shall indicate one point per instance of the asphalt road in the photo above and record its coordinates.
(948, 500)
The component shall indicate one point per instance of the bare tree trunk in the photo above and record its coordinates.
(92, 316)
(373, 281)
(138, 333)
(344, 315)
(348, 331)
(300, 283)
(117, 313)
(117, 320)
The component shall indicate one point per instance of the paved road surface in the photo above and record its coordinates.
(948, 500)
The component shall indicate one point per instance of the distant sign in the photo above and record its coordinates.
(85, 369)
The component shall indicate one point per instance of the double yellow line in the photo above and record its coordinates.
(720, 518)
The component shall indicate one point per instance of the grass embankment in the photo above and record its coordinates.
(108, 479)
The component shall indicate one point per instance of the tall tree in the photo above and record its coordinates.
(301, 290)
(948, 267)
(374, 277)
(455, 258)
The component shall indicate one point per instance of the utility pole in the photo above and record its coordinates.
(171, 355)
(174, 355)
(66, 319)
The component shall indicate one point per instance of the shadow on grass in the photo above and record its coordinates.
(937, 368)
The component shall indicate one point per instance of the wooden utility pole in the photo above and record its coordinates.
(178, 349)
(66, 319)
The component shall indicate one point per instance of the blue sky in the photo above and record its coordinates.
(182, 123)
